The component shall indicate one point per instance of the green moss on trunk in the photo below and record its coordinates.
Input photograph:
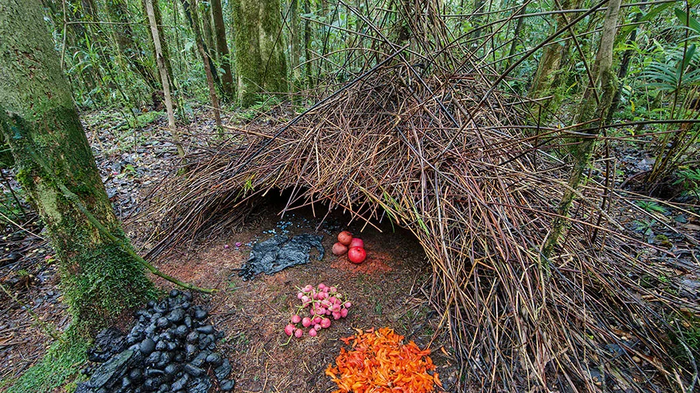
(260, 62)
(37, 115)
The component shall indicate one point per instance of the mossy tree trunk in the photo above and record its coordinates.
(260, 62)
(209, 69)
(551, 60)
(41, 124)
(207, 31)
(593, 110)
(224, 55)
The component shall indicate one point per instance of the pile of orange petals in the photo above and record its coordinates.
(379, 362)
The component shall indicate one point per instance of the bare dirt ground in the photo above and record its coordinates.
(388, 289)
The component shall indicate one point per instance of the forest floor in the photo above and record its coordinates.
(387, 290)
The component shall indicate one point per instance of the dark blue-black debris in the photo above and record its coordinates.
(171, 349)
(280, 252)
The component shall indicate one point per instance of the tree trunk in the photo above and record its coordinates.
(222, 49)
(624, 68)
(118, 13)
(307, 43)
(98, 277)
(516, 35)
(260, 62)
(163, 75)
(192, 16)
(163, 40)
(593, 114)
(551, 60)
(208, 65)
(295, 41)
(207, 31)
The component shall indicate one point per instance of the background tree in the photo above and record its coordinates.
(163, 70)
(165, 50)
(209, 69)
(223, 53)
(124, 35)
(260, 60)
(552, 59)
(99, 278)
(597, 99)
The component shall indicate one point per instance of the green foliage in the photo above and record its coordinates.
(685, 334)
(260, 107)
(671, 75)
(61, 364)
(689, 179)
(9, 203)
(146, 118)
(646, 227)
(652, 207)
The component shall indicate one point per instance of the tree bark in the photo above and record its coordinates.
(207, 31)
(307, 44)
(163, 75)
(118, 13)
(260, 62)
(624, 68)
(165, 50)
(224, 55)
(295, 41)
(592, 114)
(550, 61)
(516, 35)
(208, 65)
(38, 119)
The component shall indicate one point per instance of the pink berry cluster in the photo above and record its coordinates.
(324, 303)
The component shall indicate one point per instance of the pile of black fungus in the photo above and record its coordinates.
(171, 349)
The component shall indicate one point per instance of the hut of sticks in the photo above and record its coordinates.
(427, 141)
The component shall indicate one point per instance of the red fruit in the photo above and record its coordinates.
(357, 254)
(298, 333)
(339, 249)
(355, 242)
(325, 323)
(345, 237)
(289, 329)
